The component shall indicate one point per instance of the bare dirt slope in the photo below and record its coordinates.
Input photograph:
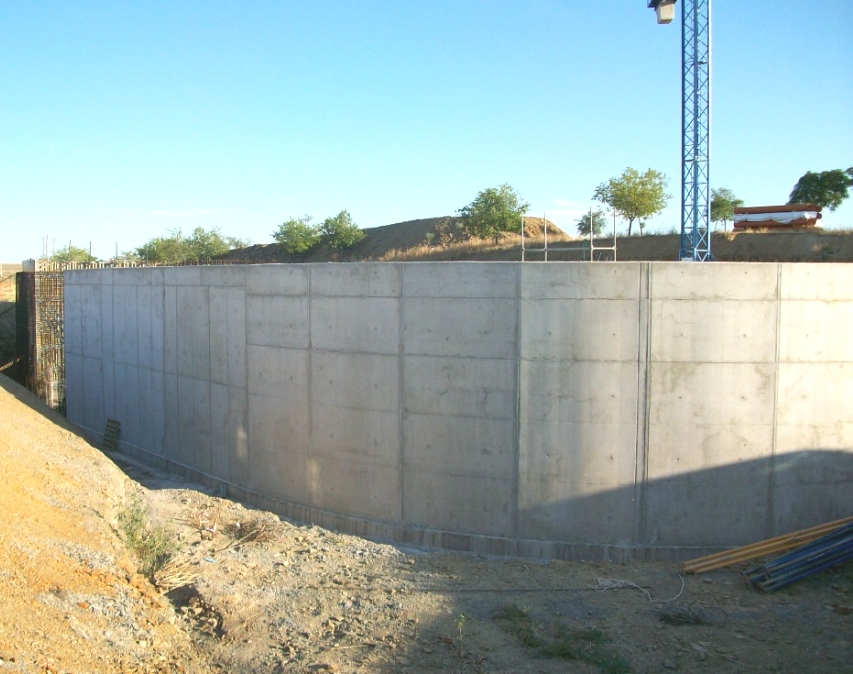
(71, 599)
(266, 595)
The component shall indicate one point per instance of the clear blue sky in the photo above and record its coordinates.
(121, 121)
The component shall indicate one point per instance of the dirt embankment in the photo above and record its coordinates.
(441, 239)
(252, 593)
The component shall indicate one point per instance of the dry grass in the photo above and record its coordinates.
(204, 519)
(174, 574)
(509, 245)
(252, 530)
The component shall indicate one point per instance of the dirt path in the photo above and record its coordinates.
(271, 596)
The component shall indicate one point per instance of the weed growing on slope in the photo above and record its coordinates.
(152, 545)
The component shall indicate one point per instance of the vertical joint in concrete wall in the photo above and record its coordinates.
(401, 327)
(642, 435)
(771, 483)
(516, 424)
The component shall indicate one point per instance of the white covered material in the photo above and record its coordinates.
(783, 217)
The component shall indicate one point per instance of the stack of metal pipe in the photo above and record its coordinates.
(822, 553)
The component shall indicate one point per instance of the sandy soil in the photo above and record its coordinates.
(266, 595)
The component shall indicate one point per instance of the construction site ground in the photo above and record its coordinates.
(258, 594)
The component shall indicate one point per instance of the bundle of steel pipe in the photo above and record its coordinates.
(764, 548)
(820, 554)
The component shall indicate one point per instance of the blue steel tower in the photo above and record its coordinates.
(695, 123)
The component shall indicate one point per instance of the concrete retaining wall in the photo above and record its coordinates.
(564, 409)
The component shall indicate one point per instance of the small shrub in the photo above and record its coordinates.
(152, 546)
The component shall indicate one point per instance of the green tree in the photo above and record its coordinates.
(72, 254)
(168, 250)
(200, 246)
(723, 205)
(340, 231)
(634, 195)
(129, 256)
(494, 211)
(203, 245)
(597, 220)
(827, 189)
(297, 235)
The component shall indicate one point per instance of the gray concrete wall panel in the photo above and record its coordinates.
(580, 330)
(457, 503)
(815, 281)
(713, 331)
(362, 436)
(88, 325)
(714, 394)
(170, 329)
(698, 510)
(223, 276)
(278, 373)
(172, 419)
(651, 410)
(229, 411)
(228, 335)
(355, 324)
(278, 423)
(724, 281)
(127, 407)
(468, 327)
(283, 280)
(355, 280)
(193, 332)
(343, 485)
(277, 320)
(816, 331)
(92, 380)
(450, 280)
(72, 320)
(356, 381)
(580, 392)
(551, 506)
(619, 281)
(125, 325)
(181, 276)
(809, 485)
(815, 406)
(462, 446)
(467, 387)
(75, 405)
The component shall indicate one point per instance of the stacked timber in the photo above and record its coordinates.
(790, 216)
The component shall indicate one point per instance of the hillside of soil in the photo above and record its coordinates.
(441, 239)
(246, 592)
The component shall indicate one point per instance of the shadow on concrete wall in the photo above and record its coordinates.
(674, 517)
(717, 507)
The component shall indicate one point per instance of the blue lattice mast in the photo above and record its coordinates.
(695, 123)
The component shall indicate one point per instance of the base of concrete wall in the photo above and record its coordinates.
(425, 538)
